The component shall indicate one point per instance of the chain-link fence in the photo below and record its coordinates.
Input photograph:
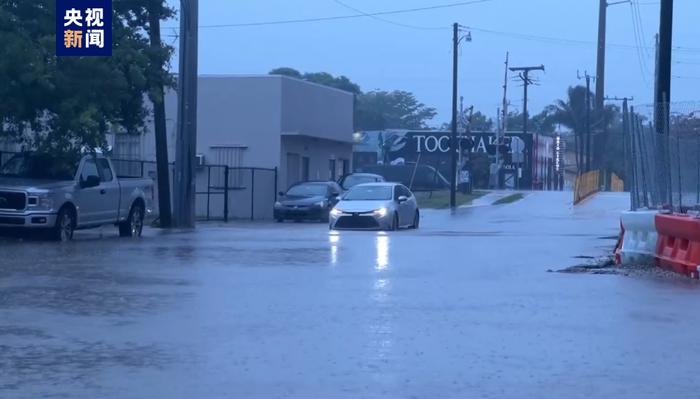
(664, 161)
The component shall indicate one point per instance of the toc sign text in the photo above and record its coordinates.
(83, 27)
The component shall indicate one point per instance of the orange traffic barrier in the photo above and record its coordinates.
(586, 185)
(678, 246)
(617, 185)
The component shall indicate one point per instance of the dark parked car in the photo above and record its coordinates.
(353, 179)
(421, 178)
(307, 201)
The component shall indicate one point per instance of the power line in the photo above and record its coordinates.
(389, 21)
(639, 44)
(640, 24)
(565, 41)
(340, 17)
(517, 35)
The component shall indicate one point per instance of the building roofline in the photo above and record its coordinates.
(281, 77)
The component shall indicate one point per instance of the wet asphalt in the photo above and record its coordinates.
(463, 307)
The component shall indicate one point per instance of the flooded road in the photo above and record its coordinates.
(461, 308)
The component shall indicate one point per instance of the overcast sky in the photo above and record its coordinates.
(376, 54)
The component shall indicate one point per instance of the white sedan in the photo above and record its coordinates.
(376, 206)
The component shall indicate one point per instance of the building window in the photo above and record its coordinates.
(331, 170)
(231, 156)
(305, 168)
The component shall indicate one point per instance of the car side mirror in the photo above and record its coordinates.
(90, 181)
(402, 199)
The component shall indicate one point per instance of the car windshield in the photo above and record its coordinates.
(369, 193)
(307, 190)
(40, 166)
(353, 180)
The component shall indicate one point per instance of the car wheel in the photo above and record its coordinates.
(65, 225)
(416, 220)
(133, 226)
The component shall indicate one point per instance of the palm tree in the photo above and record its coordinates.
(572, 114)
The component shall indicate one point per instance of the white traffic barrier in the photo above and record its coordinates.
(640, 237)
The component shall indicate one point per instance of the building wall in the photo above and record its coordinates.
(250, 113)
(318, 111)
(241, 113)
(256, 121)
(319, 152)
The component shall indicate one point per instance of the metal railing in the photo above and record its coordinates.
(664, 161)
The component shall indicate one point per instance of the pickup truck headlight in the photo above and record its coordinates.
(40, 201)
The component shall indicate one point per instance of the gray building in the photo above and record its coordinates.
(267, 121)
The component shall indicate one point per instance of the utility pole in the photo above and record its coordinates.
(505, 96)
(524, 74)
(503, 125)
(161, 136)
(456, 39)
(588, 121)
(186, 143)
(656, 76)
(663, 89)
(453, 142)
(600, 66)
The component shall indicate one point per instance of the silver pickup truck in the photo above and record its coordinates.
(61, 194)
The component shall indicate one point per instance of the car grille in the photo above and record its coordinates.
(12, 221)
(13, 200)
(356, 222)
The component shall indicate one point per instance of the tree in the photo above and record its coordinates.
(480, 123)
(61, 104)
(284, 71)
(542, 123)
(572, 114)
(379, 110)
(322, 78)
(158, 79)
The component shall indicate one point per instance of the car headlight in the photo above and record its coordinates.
(381, 212)
(336, 212)
(278, 204)
(320, 204)
(41, 201)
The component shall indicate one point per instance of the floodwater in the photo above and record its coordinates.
(463, 307)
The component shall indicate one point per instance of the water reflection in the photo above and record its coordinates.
(334, 240)
(382, 251)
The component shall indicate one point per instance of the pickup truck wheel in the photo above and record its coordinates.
(65, 226)
(133, 226)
